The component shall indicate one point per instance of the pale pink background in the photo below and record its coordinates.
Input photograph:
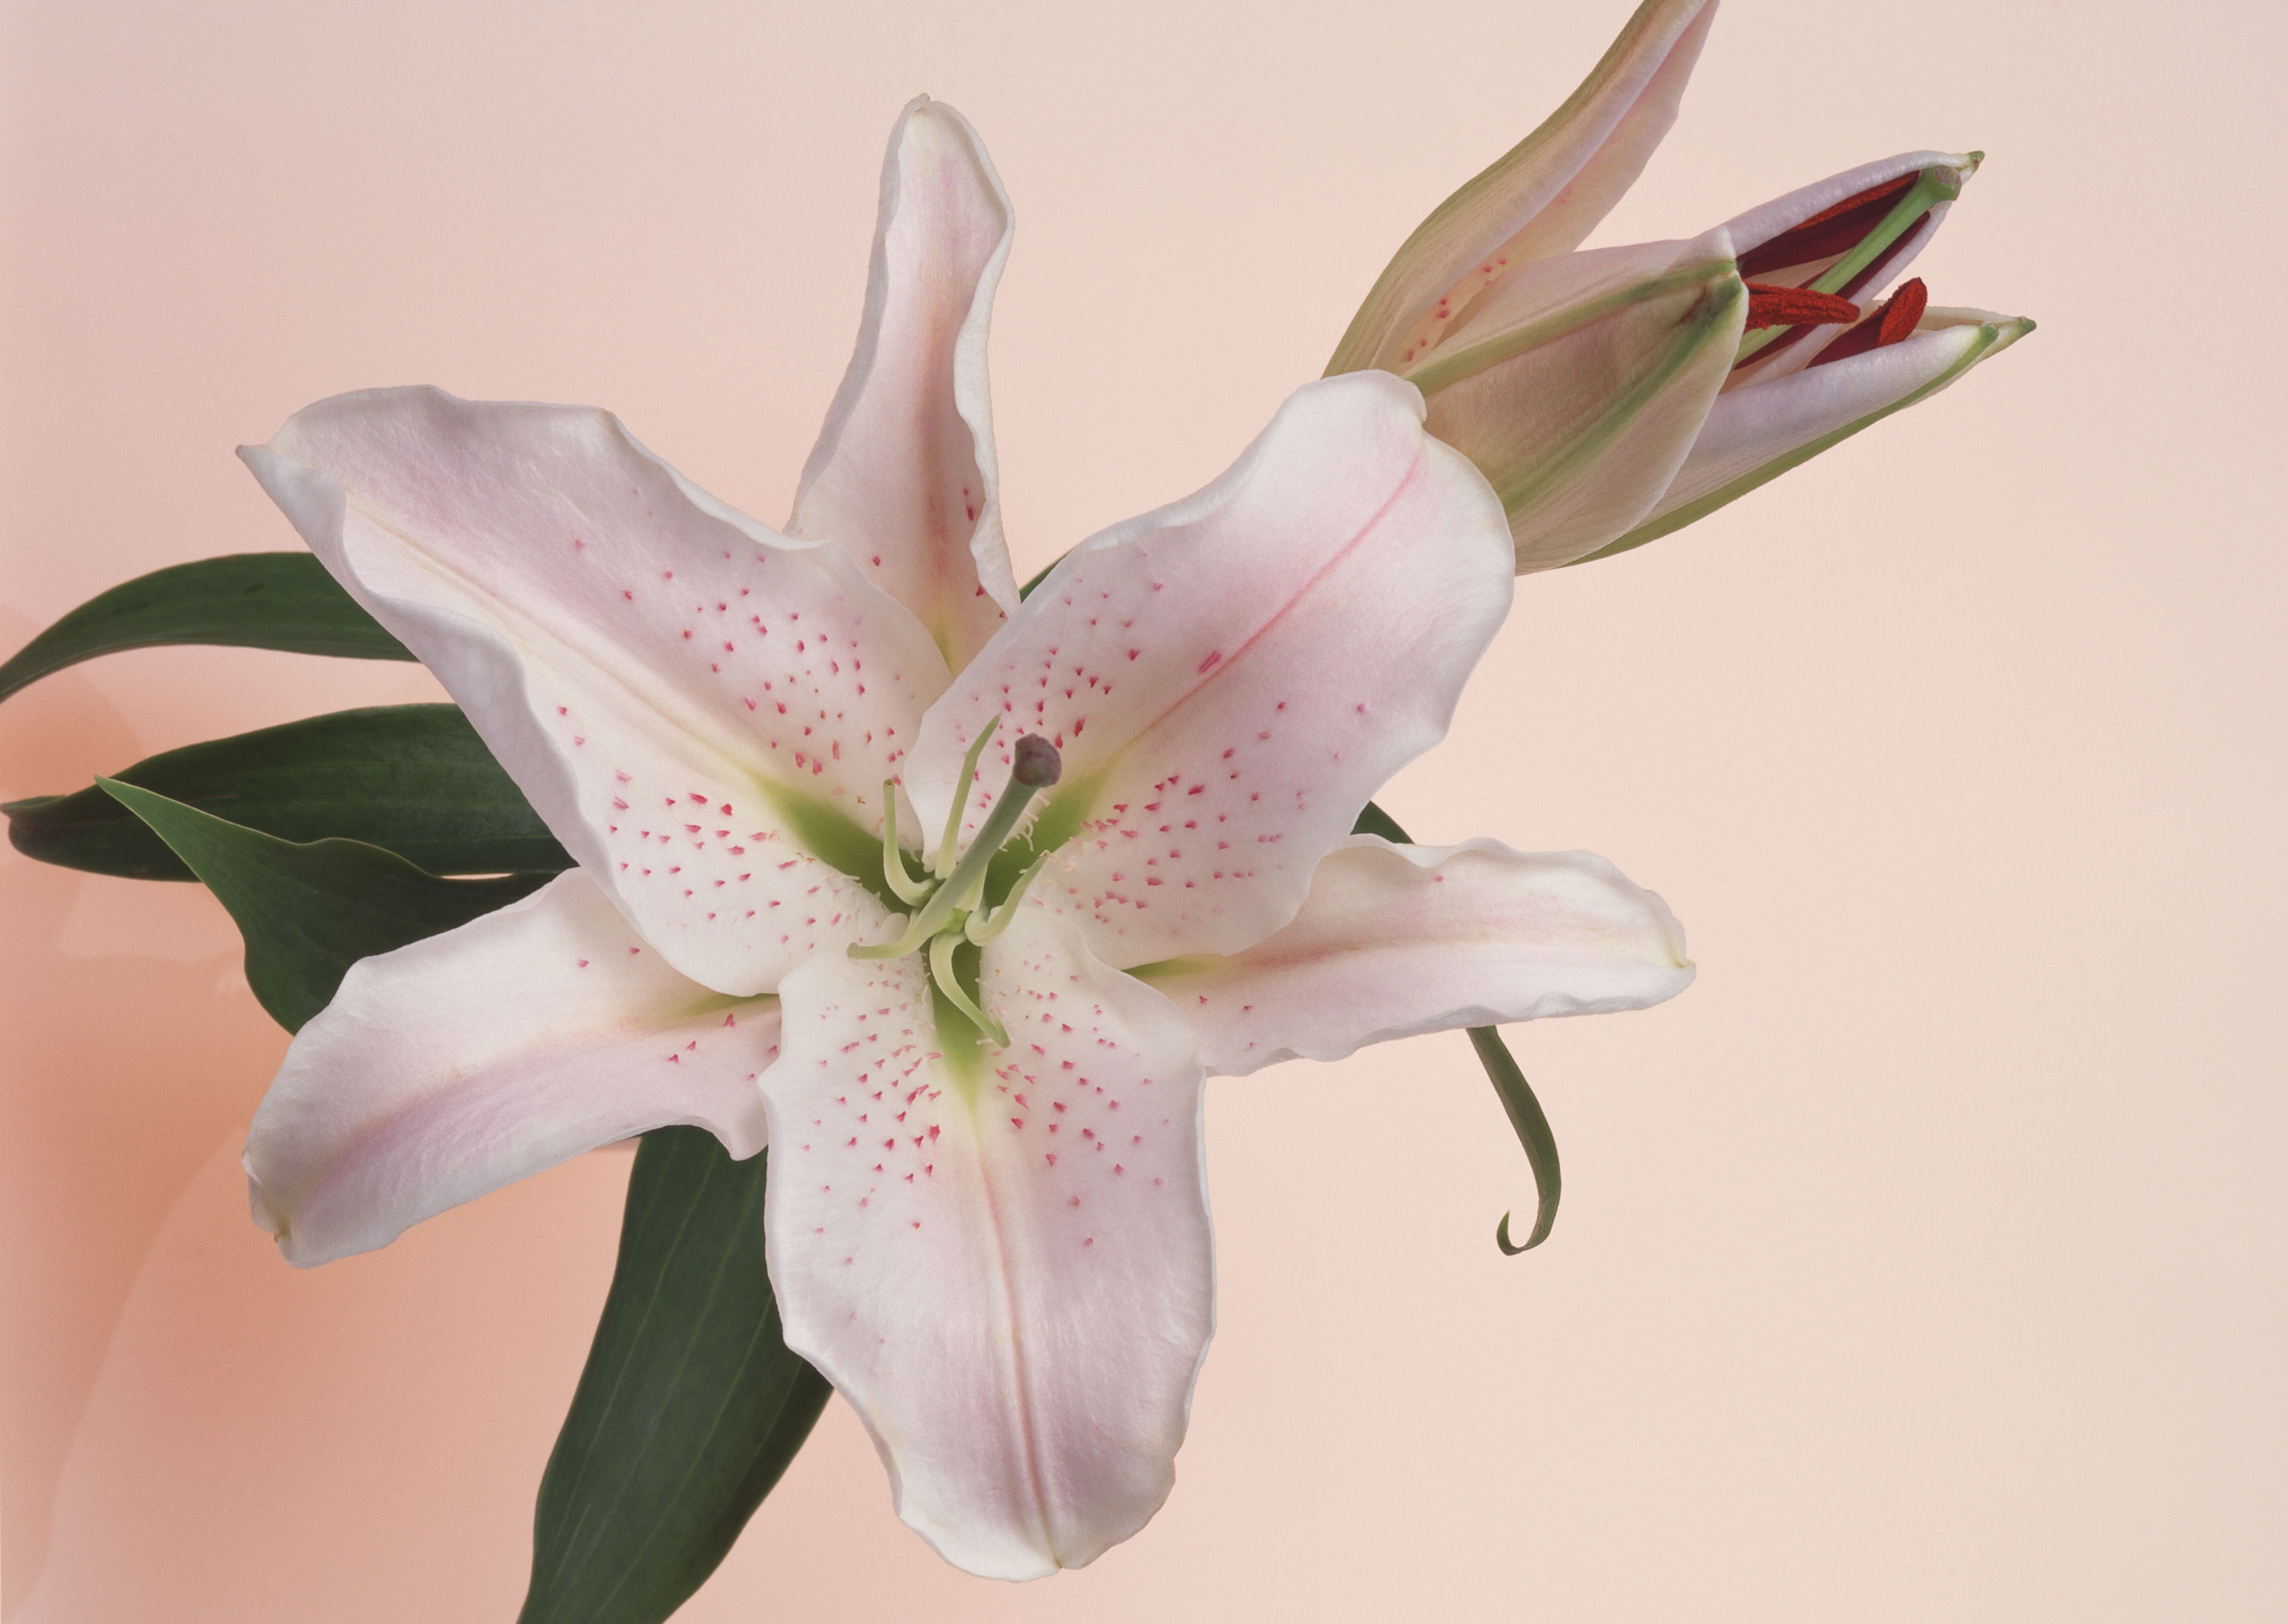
(1924, 1261)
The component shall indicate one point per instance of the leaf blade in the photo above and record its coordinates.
(1531, 1126)
(281, 600)
(1526, 1117)
(690, 1406)
(308, 911)
(415, 779)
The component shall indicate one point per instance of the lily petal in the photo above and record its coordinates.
(1396, 940)
(699, 708)
(1578, 385)
(1001, 1259)
(1755, 435)
(1543, 196)
(1230, 677)
(467, 1061)
(903, 477)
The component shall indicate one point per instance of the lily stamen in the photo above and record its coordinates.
(1777, 304)
(943, 866)
(1862, 232)
(1892, 323)
(948, 905)
(948, 982)
(981, 929)
(909, 890)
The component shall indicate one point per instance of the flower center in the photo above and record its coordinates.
(948, 902)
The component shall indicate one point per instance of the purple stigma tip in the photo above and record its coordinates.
(1037, 764)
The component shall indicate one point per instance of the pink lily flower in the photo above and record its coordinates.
(952, 899)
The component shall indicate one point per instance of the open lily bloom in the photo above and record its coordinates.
(1613, 395)
(953, 900)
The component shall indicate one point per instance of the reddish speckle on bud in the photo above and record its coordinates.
(1772, 304)
(1037, 764)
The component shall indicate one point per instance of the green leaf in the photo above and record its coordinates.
(1029, 587)
(309, 912)
(690, 1406)
(1533, 1132)
(1526, 1116)
(414, 779)
(1374, 820)
(250, 600)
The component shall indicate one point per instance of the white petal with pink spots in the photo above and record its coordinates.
(1231, 677)
(466, 1061)
(1398, 940)
(1000, 1258)
(685, 697)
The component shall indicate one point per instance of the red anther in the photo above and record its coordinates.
(1902, 311)
(1894, 322)
(1833, 231)
(1772, 304)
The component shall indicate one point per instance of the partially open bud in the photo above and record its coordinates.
(1575, 382)
(1577, 385)
(1755, 435)
(1540, 198)
(1801, 387)
(1580, 383)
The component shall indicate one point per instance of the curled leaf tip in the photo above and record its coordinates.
(1533, 1133)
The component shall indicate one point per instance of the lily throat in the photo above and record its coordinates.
(948, 903)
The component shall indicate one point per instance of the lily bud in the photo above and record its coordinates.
(1576, 382)
(1803, 384)
(1541, 198)
(1578, 385)
(1613, 396)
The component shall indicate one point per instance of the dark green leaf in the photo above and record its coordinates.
(1027, 590)
(1374, 820)
(309, 912)
(690, 1406)
(1533, 1132)
(249, 599)
(1503, 1071)
(414, 779)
